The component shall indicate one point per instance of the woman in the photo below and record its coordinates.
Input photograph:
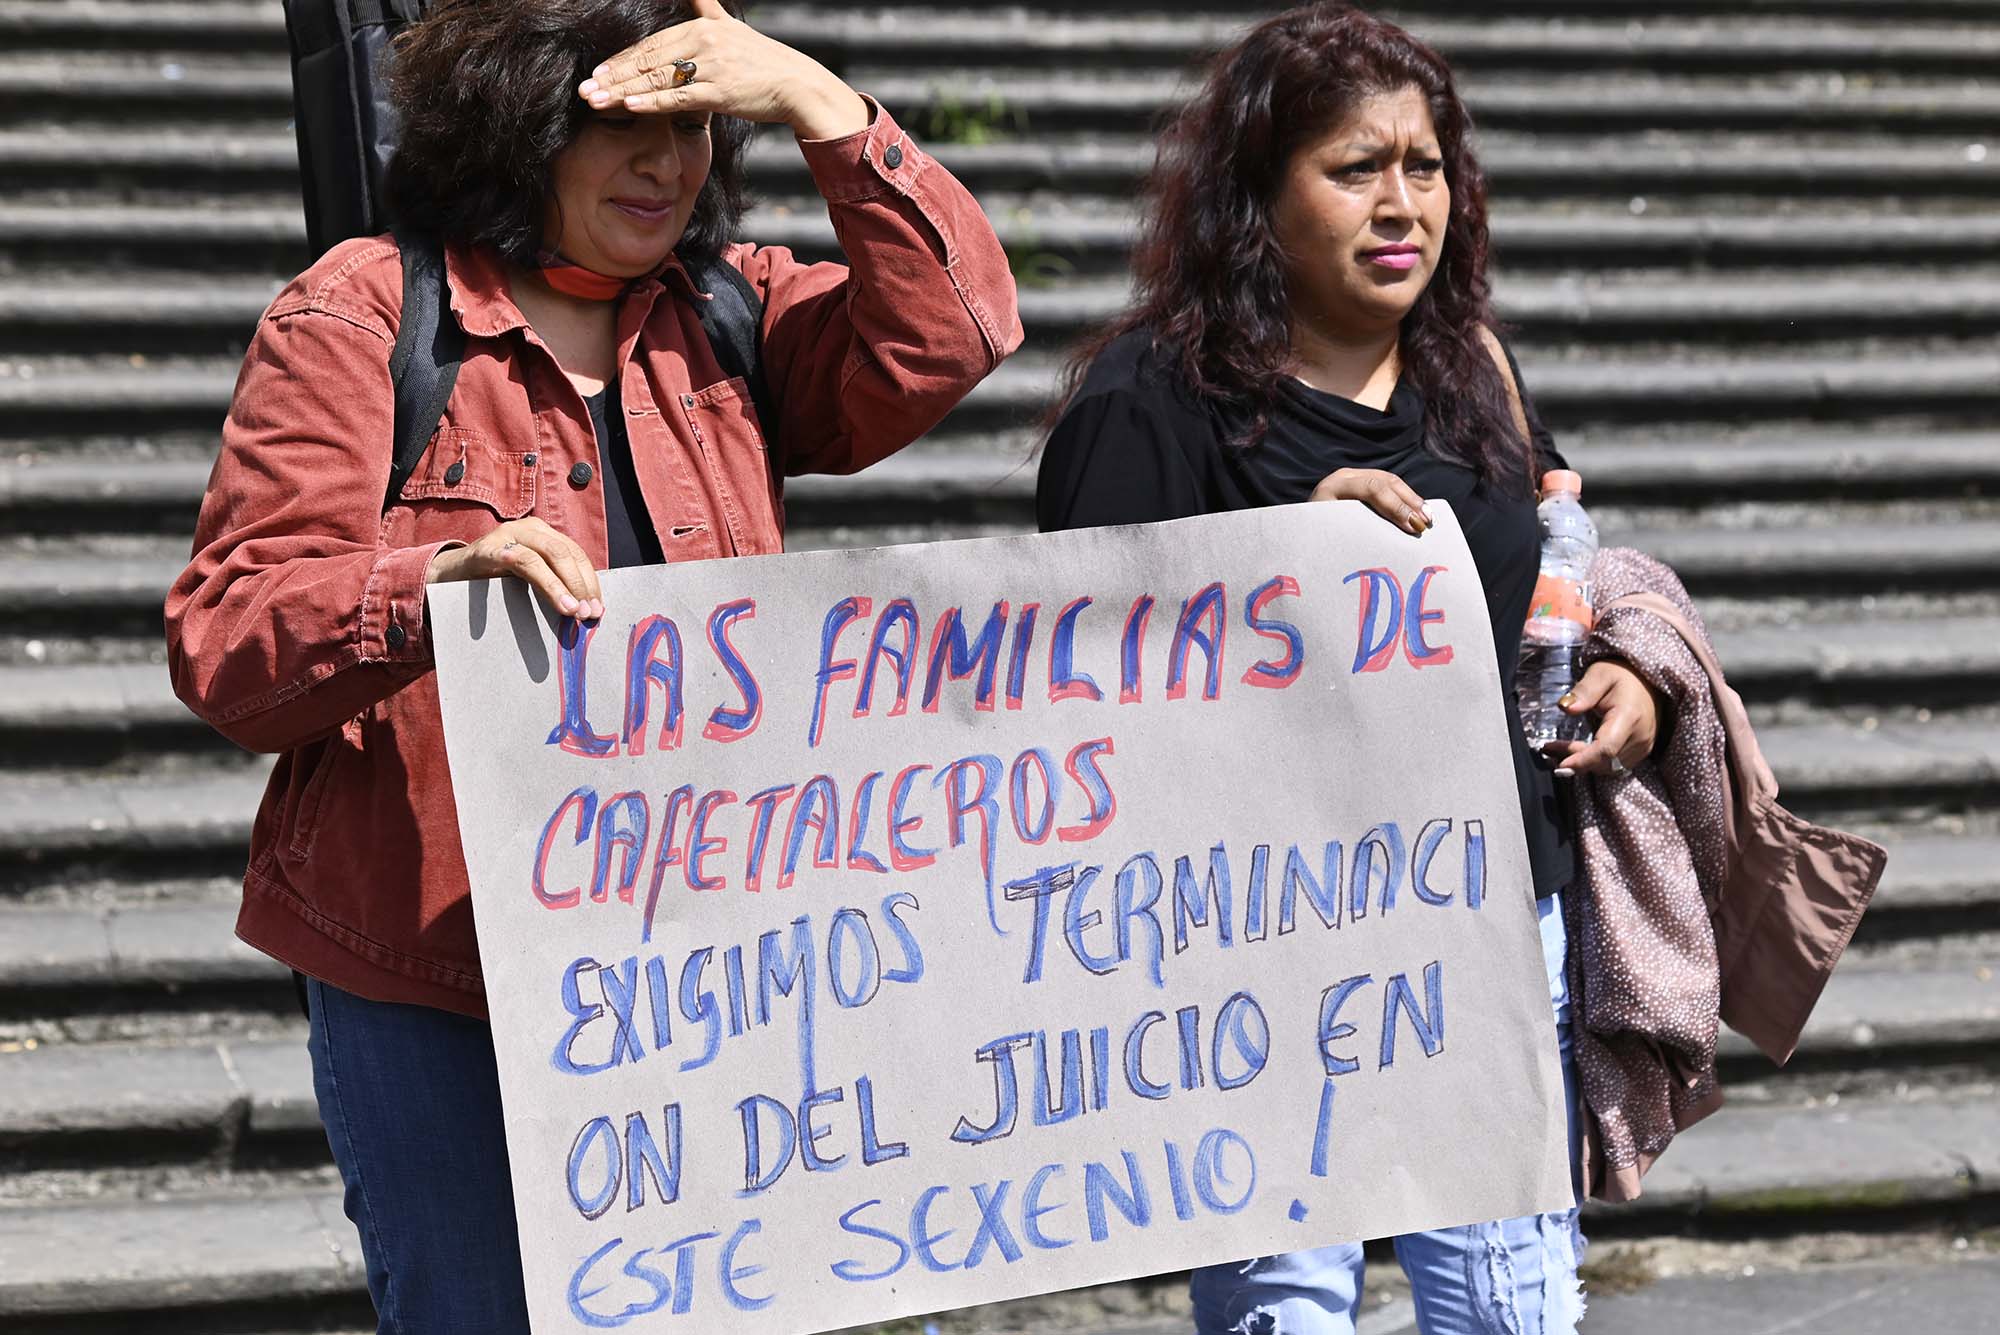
(575, 167)
(1312, 322)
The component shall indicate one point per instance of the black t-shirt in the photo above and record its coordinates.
(628, 532)
(1135, 447)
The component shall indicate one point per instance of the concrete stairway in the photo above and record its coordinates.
(1752, 258)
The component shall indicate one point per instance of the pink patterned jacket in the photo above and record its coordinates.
(1703, 900)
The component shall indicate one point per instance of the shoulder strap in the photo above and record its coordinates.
(424, 362)
(733, 319)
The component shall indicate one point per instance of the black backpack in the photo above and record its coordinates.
(347, 133)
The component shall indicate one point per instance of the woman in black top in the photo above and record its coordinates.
(1312, 322)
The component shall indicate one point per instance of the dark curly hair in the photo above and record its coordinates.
(486, 93)
(1209, 273)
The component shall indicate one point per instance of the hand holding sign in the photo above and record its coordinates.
(526, 549)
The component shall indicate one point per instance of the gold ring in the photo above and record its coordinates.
(684, 71)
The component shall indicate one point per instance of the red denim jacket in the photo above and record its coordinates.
(299, 625)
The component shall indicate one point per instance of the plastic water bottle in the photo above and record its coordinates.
(1560, 617)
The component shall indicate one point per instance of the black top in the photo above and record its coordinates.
(628, 532)
(1135, 447)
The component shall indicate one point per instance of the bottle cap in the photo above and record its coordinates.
(1562, 479)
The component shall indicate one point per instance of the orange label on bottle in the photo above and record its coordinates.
(1564, 598)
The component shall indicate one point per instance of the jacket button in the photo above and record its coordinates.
(579, 474)
(455, 474)
(396, 636)
(528, 460)
(892, 156)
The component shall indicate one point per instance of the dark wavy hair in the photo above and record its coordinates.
(1209, 273)
(486, 92)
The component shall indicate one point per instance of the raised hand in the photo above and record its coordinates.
(720, 64)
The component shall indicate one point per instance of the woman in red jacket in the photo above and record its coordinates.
(574, 167)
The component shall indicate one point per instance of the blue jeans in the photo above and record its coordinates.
(411, 1102)
(1507, 1277)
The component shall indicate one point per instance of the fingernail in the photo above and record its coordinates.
(601, 72)
(600, 98)
(1568, 699)
(587, 87)
(1565, 774)
(597, 609)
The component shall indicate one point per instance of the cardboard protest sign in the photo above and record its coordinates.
(870, 933)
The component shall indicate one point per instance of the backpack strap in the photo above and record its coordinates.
(424, 362)
(341, 112)
(733, 319)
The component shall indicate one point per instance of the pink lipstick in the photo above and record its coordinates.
(1398, 256)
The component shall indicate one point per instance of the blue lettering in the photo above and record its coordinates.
(851, 1270)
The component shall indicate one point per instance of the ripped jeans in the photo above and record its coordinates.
(1507, 1277)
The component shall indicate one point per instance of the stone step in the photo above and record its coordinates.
(1904, 659)
(245, 158)
(963, 103)
(291, 1244)
(1743, 37)
(1602, 307)
(1832, 766)
(1649, 42)
(122, 487)
(959, 102)
(1790, 560)
(1837, 463)
(93, 697)
(101, 1103)
(227, 25)
(1856, 1156)
(42, 81)
(141, 1259)
(1934, 1291)
(1874, 1009)
(1028, 36)
(1052, 241)
(1639, 385)
(56, 586)
(1418, 10)
(53, 815)
(188, 313)
(1938, 873)
(47, 816)
(1777, 559)
(85, 952)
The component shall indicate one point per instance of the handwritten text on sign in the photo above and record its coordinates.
(870, 933)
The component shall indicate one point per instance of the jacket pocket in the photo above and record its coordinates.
(464, 466)
(317, 763)
(725, 427)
